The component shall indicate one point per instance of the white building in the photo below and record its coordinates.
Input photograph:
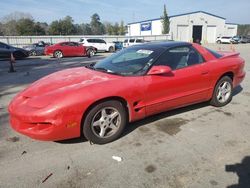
(187, 27)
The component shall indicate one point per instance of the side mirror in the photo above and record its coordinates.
(159, 70)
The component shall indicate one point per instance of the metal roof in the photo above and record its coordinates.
(177, 16)
(232, 24)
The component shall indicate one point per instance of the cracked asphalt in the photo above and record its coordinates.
(196, 146)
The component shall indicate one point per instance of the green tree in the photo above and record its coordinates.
(67, 26)
(86, 29)
(97, 27)
(165, 21)
(26, 26)
(63, 27)
(108, 28)
(55, 28)
(78, 29)
(122, 29)
(116, 29)
(1, 29)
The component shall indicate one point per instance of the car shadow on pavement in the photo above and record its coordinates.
(238, 89)
(134, 125)
(243, 172)
(72, 141)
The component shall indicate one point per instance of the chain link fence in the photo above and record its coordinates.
(20, 41)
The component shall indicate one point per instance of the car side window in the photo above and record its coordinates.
(131, 40)
(98, 41)
(180, 57)
(74, 44)
(64, 44)
(102, 41)
(139, 41)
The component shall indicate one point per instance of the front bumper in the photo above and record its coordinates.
(44, 124)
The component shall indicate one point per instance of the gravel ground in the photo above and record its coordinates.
(196, 146)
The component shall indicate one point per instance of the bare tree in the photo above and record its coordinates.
(16, 16)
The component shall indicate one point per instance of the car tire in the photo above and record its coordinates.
(223, 92)
(90, 52)
(105, 122)
(111, 49)
(58, 54)
(218, 42)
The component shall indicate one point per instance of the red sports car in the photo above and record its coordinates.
(64, 49)
(98, 101)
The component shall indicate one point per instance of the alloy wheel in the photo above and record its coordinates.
(224, 92)
(106, 122)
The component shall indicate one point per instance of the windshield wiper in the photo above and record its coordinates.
(91, 66)
(102, 69)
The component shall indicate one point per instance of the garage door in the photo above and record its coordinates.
(182, 33)
(211, 34)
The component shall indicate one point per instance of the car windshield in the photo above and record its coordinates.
(130, 61)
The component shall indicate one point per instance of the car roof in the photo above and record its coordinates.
(167, 44)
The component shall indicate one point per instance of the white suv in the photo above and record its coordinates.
(131, 42)
(99, 44)
(227, 40)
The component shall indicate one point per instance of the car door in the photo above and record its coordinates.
(79, 49)
(187, 83)
(4, 51)
(65, 48)
(102, 44)
(75, 49)
(93, 42)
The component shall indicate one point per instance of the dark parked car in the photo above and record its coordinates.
(6, 50)
(36, 48)
(244, 39)
(241, 39)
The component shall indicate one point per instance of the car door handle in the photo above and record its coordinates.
(204, 72)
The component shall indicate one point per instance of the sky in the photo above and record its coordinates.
(126, 10)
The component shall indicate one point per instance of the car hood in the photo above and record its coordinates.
(18, 49)
(66, 80)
